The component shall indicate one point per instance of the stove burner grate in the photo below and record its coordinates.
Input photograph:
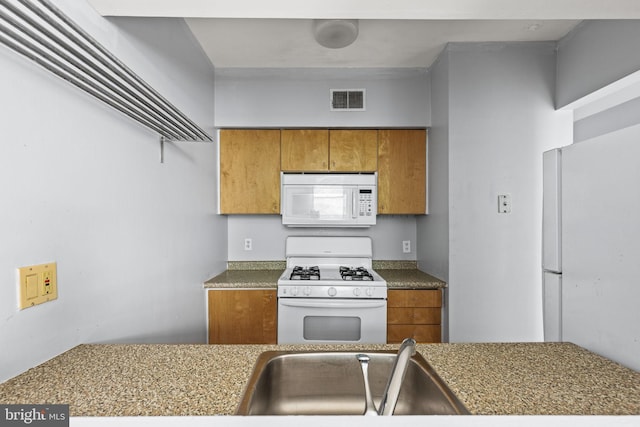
(359, 273)
(305, 273)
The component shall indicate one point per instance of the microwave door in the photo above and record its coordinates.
(333, 204)
(317, 205)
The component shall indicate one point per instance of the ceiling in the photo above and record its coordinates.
(400, 33)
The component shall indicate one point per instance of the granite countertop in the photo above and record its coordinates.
(265, 274)
(156, 380)
(248, 274)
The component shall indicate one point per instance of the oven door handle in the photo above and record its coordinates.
(293, 302)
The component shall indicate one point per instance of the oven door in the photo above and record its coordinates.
(332, 321)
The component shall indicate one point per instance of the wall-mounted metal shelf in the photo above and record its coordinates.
(41, 32)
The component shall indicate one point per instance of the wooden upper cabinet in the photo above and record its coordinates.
(250, 171)
(353, 150)
(402, 170)
(305, 150)
(335, 150)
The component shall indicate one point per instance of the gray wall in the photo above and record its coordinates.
(300, 98)
(617, 117)
(498, 117)
(83, 186)
(269, 235)
(433, 230)
(594, 55)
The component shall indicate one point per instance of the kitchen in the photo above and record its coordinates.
(133, 249)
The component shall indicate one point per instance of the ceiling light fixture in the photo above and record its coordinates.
(335, 33)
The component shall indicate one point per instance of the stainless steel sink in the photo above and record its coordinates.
(331, 383)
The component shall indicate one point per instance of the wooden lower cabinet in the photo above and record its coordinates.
(242, 316)
(414, 313)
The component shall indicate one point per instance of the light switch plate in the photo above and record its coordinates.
(37, 284)
(504, 203)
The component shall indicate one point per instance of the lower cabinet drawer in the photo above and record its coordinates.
(413, 315)
(420, 333)
(414, 298)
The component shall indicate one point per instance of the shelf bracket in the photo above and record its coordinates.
(162, 149)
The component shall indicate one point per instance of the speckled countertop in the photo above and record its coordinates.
(155, 380)
(265, 274)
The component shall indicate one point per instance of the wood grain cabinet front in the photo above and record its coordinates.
(250, 171)
(414, 314)
(246, 316)
(304, 150)
(402, 171)
(329, 150)
(353, 150)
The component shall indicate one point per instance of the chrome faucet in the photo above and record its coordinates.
(392, 390)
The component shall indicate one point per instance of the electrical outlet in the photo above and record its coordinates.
(37, 284)
(406, 246)
(248, 244)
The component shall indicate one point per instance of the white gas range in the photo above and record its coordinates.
(329, 293)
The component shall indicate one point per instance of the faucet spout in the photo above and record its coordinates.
(392, 390)
(370, 406)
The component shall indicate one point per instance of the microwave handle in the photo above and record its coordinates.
(354, 204)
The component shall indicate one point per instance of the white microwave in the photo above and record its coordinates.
(329, 199)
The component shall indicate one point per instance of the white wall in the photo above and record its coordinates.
(594, 55)
(606, 97)
(300, 98)
(82, 185)
(617, 117)
(500, 120)
(269, 235)
(433, 230)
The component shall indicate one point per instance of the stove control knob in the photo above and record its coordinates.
(332, 291)
(356, 291)
(306, 291)
(370, 292)
(294, 291)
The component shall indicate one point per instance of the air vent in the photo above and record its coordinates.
(347, 100)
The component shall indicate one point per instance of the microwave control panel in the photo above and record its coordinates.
(367, 201)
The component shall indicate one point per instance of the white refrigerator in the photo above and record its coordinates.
(591, 233)
(551, 244)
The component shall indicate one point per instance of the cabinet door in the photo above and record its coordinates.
(249, 171)
(305, 150)
(242, 316)
(402, 171)
(353, 150)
